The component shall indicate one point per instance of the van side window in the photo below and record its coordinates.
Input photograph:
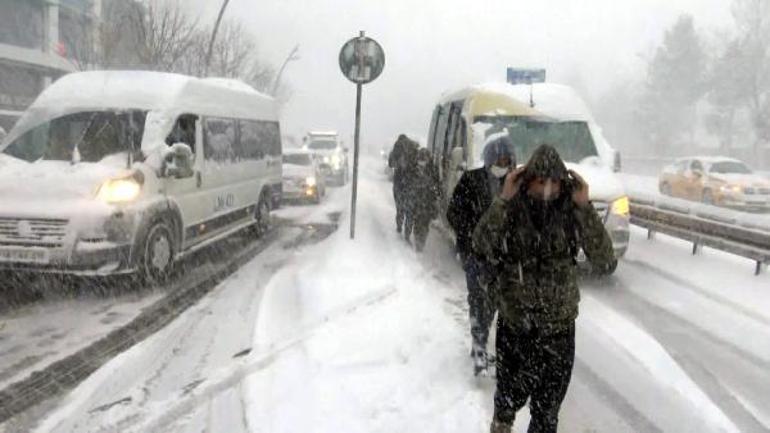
(259, 139)
(220, 139)
(183, 131)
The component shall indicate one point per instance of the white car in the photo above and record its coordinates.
(125, 171)
(332, 157)
(302, 179)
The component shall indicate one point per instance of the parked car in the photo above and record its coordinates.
(125, 171)
(302, 178)
(332, 156)
(720, 181)
(462, 121)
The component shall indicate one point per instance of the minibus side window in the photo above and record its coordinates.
(220, 139)
(183, 131)
(259, 139)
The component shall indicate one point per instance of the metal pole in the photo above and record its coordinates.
(355, 163)
(214, 37)
(292, 56)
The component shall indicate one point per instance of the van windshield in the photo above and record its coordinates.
(86, 136)
(572, 139)
(297, 159)
(322, 145)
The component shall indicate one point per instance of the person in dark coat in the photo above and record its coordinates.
(422, 201)
(532, 233)
(402, 160)
(471, 198)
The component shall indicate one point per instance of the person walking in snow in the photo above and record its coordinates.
(532, 232)
(422, 199)
(471, 198)
(401, 159)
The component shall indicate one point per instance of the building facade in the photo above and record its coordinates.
(41, 40)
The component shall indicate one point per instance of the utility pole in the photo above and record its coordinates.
(214, 37)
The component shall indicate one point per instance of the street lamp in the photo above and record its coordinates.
(290, 58)
(214, 37)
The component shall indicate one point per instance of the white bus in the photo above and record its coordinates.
(531, 115)
(122, 172)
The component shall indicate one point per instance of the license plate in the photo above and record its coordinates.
(24, 255)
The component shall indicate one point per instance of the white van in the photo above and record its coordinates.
(331, 154)
(118, 172)
(531, 115)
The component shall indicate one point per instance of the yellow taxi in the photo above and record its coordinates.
(719, 181)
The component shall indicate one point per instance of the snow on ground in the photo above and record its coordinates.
(368, 336)
(30, 343)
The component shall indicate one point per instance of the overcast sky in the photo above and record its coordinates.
(433, 46)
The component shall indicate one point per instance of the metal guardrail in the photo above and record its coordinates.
(702, 230)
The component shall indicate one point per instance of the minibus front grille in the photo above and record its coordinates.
(32, 231)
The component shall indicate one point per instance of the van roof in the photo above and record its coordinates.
(555, 101)
(490, 98)
(156, 91)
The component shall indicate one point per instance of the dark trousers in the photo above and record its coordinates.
(535, 366)
(400, 199)
(481, 305)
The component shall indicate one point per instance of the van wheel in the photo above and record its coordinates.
(157, 259)
(263, 216)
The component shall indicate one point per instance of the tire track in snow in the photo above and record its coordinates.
(694, 349)
(684, 284)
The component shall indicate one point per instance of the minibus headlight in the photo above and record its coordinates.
(119, 190)
(621, 206)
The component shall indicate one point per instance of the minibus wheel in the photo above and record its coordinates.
(157, 260)
(263, 215)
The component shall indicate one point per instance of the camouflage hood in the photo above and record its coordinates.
(546, 163)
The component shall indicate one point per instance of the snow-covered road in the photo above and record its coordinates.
(328, 335)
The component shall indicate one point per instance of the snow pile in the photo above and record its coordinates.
(380, 364)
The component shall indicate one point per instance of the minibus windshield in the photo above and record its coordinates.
(322, 145)
(571, 139)
(297, 159)
(81, 137)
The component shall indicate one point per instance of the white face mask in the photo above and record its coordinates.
(498, 172)
(422, 164)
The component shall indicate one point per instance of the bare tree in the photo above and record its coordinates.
(752, 62)
(164, 34)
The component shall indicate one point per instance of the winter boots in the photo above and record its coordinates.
(500, 427)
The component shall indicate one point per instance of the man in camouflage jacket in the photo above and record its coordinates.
(532, 233)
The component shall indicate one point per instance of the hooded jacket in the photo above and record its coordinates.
(534, 246)
(472, 197)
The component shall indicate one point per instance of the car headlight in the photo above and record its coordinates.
(119, 190)
(621, 206)
(310, 181)
(731, 188)
(336, 160)
(327, 159)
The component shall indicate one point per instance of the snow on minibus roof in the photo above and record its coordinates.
(554, 100)
(144, 90)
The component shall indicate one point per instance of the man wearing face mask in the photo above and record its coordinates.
(471, 198)
(533, 231)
